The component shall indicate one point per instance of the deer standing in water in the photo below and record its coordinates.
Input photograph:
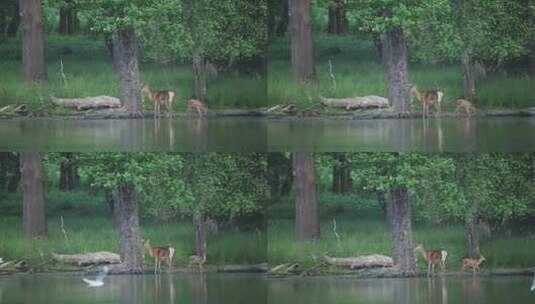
(166, 97)
(198, 105)
(428, 98)
(433, 257)
(467, 105)
(160, 253)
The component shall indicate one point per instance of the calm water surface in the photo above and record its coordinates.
(497, 290)
(506, 134)
(244, 288)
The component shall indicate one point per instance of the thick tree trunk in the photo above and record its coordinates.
(68, 173)
(472, 237)
(129, 237)
(402, 251)
(469, 86)
(395, 64)
(199, 222)
(125, 56)
(302, 46)
(13, 183)
(68, 18)
(306, 206)
(33, 41)
(337, 23)
(342, 182)
(282, 25)
(199, 76)
(33, 198)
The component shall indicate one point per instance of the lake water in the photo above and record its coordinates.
(235, 134)
(245, 288)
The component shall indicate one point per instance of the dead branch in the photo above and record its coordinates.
(95, 102)
(365, 102)
(102, 257)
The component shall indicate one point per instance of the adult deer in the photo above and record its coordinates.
(428, 98)
(433, 257)
(160, 253)
(166, 97)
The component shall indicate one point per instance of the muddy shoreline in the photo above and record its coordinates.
(264, 113)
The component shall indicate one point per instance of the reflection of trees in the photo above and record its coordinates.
(472, 292)
(199, 292)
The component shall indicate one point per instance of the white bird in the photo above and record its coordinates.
(1, 261)
(99, 281)
(533, 283)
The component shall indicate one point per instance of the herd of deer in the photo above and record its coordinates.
(434, 257)
(434, 98)
(166, 253)
(166, 97)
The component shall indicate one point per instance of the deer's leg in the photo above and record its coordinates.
(199, 112)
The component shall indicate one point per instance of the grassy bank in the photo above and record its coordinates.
(358, 72)
(89, 228)
(362, 231)
(89, 71)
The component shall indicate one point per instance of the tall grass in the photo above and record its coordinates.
(89, 228)
(358, 72)
(362, 231)
(89, 72)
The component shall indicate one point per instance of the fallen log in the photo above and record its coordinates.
(95, 102)
(363, 261)
(102, 257)
(242, 268)
(365, 102)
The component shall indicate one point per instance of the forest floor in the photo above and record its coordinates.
(363, 231)
(358, 72)
(88, 71)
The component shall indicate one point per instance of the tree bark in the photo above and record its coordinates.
(13, 183)
(199, 75)
(110, 201)
(33, 199)
(395, 64)
(469, 86)
(302, 46)
(337, 23)
(306, 205)
(472, 237)
(68, 173)
(403, 250)
(125, 50)
(68, 18)
(199, 221)
(129, 237)
(33, 41)
(342, 182)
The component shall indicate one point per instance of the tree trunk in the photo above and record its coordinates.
(110, 201)
(129, 237)
(68, 173)
(302, 46)
(33, 198)
(282, 25)
(337, 23)
(472, 237)
(199, 221)
(68, 18)
(33, 41)
(402, 251)
(469, 86)
(306, 205)
(385, 206)
(199, 75)
(395, 64)
(125, 49)
(342, 182)
(13, 183)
